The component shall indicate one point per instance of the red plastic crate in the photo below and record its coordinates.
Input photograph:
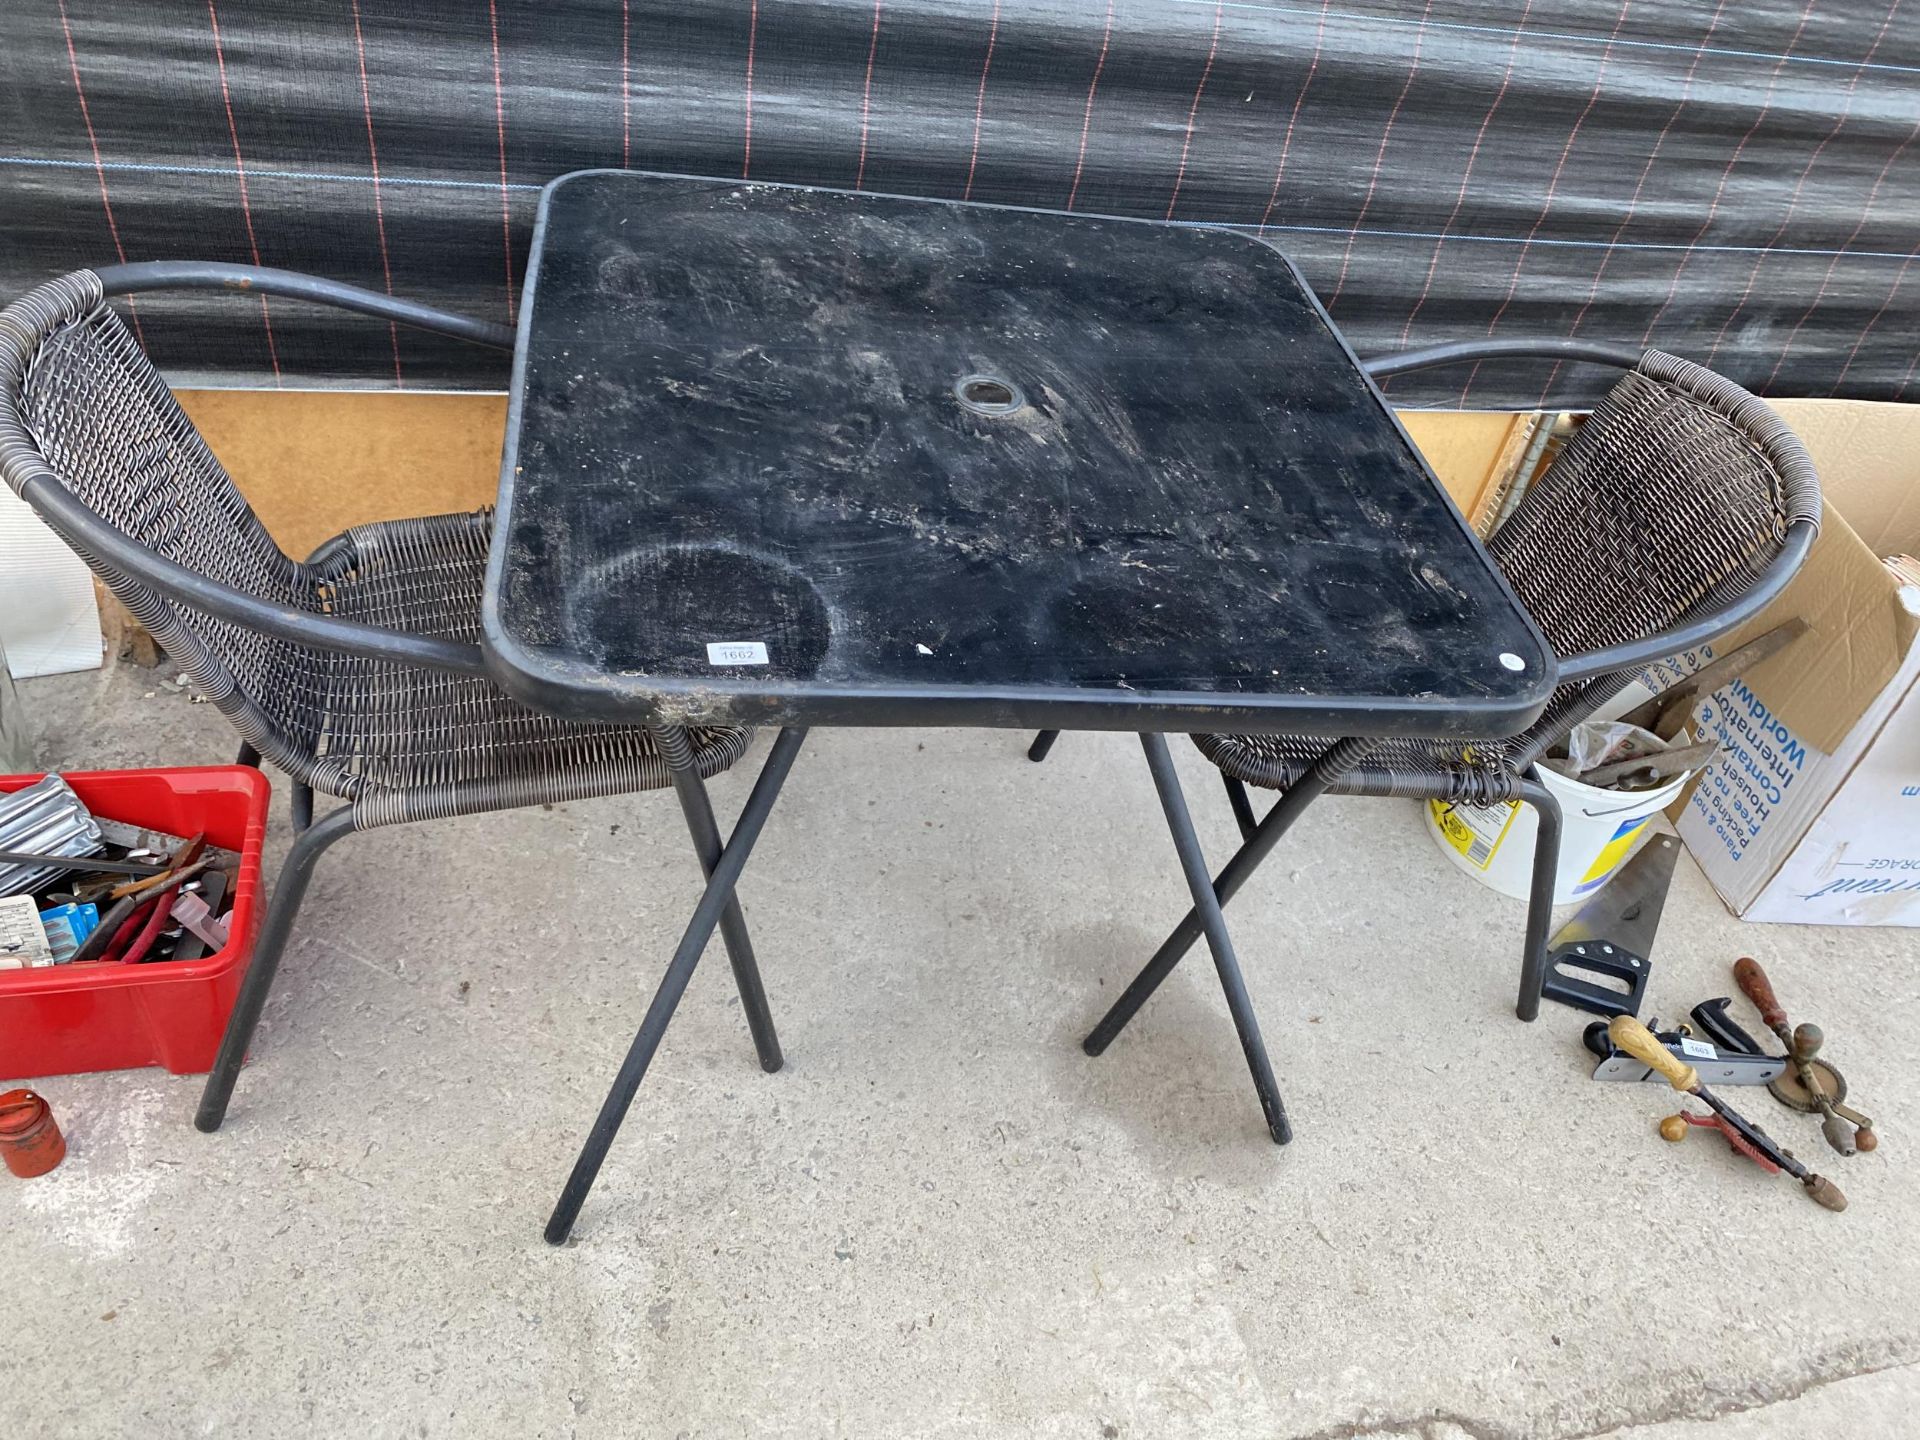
(63, 1019)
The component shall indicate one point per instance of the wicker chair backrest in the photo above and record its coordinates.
(105, 424)
(1671, 500)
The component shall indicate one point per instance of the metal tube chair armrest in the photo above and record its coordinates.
(1383, 367)
(264, 280)
(87, 533)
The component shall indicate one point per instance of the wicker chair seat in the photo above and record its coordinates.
(372, 728)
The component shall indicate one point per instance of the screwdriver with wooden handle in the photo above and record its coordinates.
(1630, 1035)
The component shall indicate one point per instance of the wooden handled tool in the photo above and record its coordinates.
(1812, 1085)
(1755, 985)
(1630, 1035)
(1667, 713)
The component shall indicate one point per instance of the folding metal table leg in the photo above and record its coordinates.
(677, 750)
(706, 916)
(1338, 759)
(1194, 864)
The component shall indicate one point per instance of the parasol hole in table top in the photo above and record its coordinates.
(989, 394)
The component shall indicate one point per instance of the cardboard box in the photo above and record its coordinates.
(1811, 815)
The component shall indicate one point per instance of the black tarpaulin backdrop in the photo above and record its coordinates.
(1736, 181)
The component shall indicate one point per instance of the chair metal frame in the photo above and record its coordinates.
(1343, 766)
(139, 574)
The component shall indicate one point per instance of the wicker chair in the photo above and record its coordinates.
(356, 672)
(1681, 507)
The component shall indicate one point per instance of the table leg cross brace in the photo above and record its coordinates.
(1209, 895)
(715, 901)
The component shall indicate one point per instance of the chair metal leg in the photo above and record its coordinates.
(1042, 743)
(726, 874)
(301, 797)
(1546, 866)
(285, 906)
(1242, 806)
(1267, 834)
(1194, 865)
(677, 750)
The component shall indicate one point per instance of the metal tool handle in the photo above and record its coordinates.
(1630, 1035)
(1756, 987)
(84, 863)
(1807, 1040)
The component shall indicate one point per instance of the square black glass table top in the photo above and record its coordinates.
(791, 456)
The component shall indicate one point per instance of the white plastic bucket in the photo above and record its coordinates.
(1494, 843)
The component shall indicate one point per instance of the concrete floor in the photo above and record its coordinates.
(942, 1219)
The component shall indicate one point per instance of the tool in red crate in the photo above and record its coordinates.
(23, 939)
(141, 909)
(44, 817)
(153, 905)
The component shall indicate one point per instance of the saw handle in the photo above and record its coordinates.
(1630, 1035)
(1756, 987)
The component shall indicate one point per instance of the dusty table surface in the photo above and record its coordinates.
(786, 455)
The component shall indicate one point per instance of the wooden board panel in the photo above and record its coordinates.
(314, 462)
(1471, 451)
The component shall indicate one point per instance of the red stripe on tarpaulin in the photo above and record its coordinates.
(1866, 209)
(980, 100)
(1799, 186)
(1293, 117)
(500, 134)
(1633, 200)
(1086, 116)
(1726, 173)
(1886, 307)
(866, 97)
(1193, 110)
(240, 170)
(1553, 188)
(379, 212)
(1466, 176)
(1380, 155)
(93, 146)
